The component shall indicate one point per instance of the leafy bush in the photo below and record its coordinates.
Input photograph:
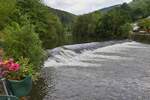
(145, 24)
(6, 8)
(22, 41)
(47, 25)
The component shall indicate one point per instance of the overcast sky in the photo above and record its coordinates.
(82, 6)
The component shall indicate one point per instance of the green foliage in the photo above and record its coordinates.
(112, 24)
(1, 39)
(145, 24)
(47, 25)
(26, 69)
(68, 38)
(22, 41)
(66, 18)
(84, 27)
(140, 8)
(6, 8)
(125, 30)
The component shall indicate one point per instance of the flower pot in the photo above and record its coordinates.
(21, 88)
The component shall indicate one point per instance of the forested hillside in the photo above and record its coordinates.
(65, 17)
(110, 23)
(85, 26)
(141, 8)
(105, 10)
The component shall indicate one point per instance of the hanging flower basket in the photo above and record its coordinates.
(18, 75)
(22, 87)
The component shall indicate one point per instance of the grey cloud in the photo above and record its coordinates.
(82, 6)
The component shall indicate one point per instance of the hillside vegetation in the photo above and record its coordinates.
(65, 17)
(110, 23)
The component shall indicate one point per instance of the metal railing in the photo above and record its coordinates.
(7, 91)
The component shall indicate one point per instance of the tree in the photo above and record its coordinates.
(137, 14)
(110, 26)
(140, 9)
(125, 30)
(84, 27)
(47, 25)
(145, 24)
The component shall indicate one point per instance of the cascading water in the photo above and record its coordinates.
(98, 71)
(73, 54)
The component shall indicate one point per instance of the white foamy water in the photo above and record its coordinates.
(98, 71)
(66, 56)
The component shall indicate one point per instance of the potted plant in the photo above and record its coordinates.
(19, 75)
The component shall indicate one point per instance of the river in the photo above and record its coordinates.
(115, 70)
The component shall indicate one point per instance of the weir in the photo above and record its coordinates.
(114, 71)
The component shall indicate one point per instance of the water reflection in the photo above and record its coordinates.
(44, 86)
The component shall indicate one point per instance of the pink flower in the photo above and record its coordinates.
(14, 67)
(17, 66)
(7, 65)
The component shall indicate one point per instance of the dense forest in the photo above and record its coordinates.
(28, 27)
(110, 23)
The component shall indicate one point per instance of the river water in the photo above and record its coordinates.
(115, 70)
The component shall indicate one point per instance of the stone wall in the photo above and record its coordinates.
(141, 37)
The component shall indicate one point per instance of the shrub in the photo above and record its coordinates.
(22, 41)
(6, 8)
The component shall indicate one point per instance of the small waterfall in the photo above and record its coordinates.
(77, 55)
